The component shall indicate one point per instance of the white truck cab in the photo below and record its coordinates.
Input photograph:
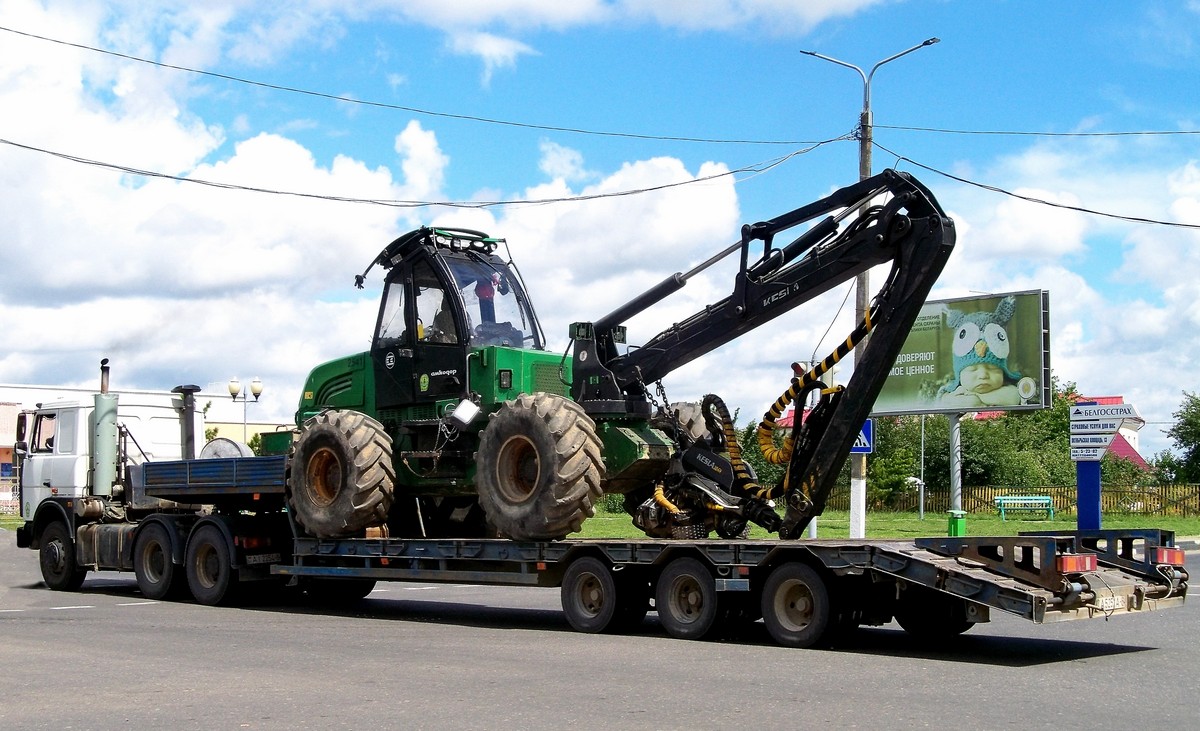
(55, 443)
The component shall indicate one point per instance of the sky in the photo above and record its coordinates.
(112, 249)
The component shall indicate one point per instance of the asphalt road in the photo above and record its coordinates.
(416, 656)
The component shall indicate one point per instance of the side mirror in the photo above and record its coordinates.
(21, 449)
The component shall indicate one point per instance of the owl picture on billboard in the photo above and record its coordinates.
(972, 354)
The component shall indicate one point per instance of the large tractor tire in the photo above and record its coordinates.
(341, 477)
(538, 468)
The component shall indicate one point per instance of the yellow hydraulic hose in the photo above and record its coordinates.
(766, 428)
(662, 500)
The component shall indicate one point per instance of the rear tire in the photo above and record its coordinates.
(795, 606)
(157, 576)
(56, 555)
(342, 479)
(686, 599)
(210, 574)
(590, 599)
(538, 468)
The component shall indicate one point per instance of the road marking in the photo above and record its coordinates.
(11, 610)
(135, 604)
(78, 606)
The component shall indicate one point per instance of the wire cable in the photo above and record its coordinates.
(1031, 199)
(1016, 133)
(402, 108)
(755, 169)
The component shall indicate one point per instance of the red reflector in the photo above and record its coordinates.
(541, 565)
(743, 570)
(1172, 556)
(1076, 563)
(255, 497)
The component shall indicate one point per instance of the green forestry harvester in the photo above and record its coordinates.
(458, 423)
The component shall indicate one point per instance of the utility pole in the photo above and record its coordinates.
(862, 298)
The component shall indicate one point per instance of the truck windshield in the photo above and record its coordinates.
(497, 311)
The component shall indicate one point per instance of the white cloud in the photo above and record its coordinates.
(495, 52)
(562, 163)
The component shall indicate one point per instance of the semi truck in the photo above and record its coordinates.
(458, 449)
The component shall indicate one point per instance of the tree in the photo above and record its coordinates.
(1186, 435)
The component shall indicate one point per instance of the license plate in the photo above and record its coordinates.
(1108, 603)
(263, 558)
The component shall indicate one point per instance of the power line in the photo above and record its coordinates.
(755, 169)
(402, 108)
(1031, 199)
(1017, 133)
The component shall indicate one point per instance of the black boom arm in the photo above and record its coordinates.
(910, 230)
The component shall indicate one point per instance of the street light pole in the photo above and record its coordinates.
(862, 297)
(256, 389)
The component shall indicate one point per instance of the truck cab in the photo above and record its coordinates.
(56, 442)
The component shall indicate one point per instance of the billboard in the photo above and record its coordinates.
(973, 354)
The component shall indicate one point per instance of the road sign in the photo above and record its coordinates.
(1094, 412)
(1092, 440)
(865, 444)
(1087, 454)
(1105, 426)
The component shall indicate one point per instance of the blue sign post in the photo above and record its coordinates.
(1092, 429)
(865, 444)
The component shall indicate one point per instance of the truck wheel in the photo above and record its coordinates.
(795, 606)
(57, 557)
(686, 599)
(590, 596)
(538, 468)
(157, 576)
(209, 569)
(341, 477)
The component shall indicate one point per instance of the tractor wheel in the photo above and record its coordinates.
(538, 468)
(687, 417)
(341, 476)
(157, 576)
(57, 557)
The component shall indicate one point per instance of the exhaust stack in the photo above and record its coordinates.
(187, 420)
(104, 438)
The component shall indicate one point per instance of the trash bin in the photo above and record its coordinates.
(958, 523)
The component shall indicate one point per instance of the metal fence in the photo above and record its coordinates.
(1177, 500)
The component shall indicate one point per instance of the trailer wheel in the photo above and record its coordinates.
(590, 599)
(538, 468)
(686, 599)
(210, 575)
(157, 576)
(341, 478)
(795, 606)
(56, 555)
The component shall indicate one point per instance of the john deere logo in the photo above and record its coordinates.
(424, 381)
(390, 360)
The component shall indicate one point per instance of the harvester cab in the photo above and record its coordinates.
(446, 295)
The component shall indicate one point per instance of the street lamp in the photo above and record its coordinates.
(235, 387)
(858, 462)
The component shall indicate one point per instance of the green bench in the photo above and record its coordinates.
(1025, 504)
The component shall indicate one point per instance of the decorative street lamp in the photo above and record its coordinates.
(858, 462)
(235, 387)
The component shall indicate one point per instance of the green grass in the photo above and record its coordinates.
(836, 524)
